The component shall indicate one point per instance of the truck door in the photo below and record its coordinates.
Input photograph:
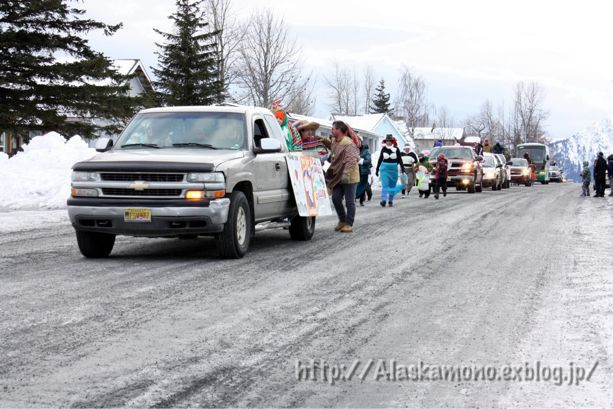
(271, 190)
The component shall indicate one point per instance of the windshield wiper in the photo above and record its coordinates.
(193, 145)
(143, 145)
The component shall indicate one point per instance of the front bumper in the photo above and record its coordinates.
(458, 180)
(167, 221)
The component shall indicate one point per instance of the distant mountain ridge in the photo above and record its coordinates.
(570, 153)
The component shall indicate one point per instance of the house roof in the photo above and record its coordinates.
(370, 122)
(366, 122)
(327, 123)
(448, 134)
(132, 66)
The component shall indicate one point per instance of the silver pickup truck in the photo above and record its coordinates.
(187, 172)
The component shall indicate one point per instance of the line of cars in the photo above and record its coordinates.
(470, 172)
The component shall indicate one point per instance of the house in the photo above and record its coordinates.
(140, 83)
(425, 138)
(325, 127)
(378, 125)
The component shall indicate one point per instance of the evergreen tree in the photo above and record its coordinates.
(187, 73)
(381, 100)
(49, 73)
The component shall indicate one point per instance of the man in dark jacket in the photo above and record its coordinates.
(610, 172)
(498, 148)
(600, 174)
(365, 166)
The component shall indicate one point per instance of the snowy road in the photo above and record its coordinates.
(498, 278)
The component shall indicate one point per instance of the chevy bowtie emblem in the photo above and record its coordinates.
(139, 185)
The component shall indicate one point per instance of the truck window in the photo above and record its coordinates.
(274, 129)
(259, 132)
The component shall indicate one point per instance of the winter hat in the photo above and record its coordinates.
(601, 154)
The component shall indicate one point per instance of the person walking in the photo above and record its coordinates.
(389, 160)
(440, 175)
(498, 148)
(610, 171)
(600, 174)
(343, 175)
(409, 159)
(486, 146)
(586, 179)
(365, 165)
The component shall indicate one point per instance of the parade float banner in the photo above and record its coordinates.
(309, 185)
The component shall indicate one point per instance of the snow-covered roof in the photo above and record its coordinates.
(404, 130)
(321, 122)
(366, 122)
(129, 66)
(448, 134)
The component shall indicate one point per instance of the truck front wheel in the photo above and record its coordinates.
(302, 228)
(95, 245)
(233, 242)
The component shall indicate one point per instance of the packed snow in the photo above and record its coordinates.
(39, 177)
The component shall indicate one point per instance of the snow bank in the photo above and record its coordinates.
(39, 177)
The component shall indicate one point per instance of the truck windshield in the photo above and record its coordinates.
(453, 153)
(180, 130)
(519, 162)
(489, 162)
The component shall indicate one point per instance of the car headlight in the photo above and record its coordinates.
(467, 167)
(489, 176)
(525, 172)
(85, 176)
(210, 177)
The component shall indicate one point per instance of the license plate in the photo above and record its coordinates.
(137, 215)
(448, 179)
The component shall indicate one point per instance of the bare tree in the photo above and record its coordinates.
(340, 84)
(530, 114)
(303, 101)
(269, 66)
(229, 36)
(369, 88)
(411, 102)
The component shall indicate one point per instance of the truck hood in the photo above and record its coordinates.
(210, 156)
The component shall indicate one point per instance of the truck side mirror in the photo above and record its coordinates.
(104, 144)
(268, 145)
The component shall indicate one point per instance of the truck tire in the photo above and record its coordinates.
(471, 188)
(302, 228)
(95, 245)
(233, 242)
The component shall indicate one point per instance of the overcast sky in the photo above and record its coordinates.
(467, 50)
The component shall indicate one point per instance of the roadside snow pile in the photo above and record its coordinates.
(39, 177)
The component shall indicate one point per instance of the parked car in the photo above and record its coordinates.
(555, 174)
(492, 172)
(521, 171)
(465, 171)
(506, 170)
(187, 172)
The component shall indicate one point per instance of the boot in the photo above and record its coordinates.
(339, 226)
(347, 229)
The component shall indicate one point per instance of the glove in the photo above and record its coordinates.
(361, 161)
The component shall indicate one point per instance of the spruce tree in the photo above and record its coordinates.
(381, 100)
(187, 62)
(49, 73)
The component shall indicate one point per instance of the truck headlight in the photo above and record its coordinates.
(85, 176)
(80, 192)
(210, 177)
(467, 167)
(525, 172)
